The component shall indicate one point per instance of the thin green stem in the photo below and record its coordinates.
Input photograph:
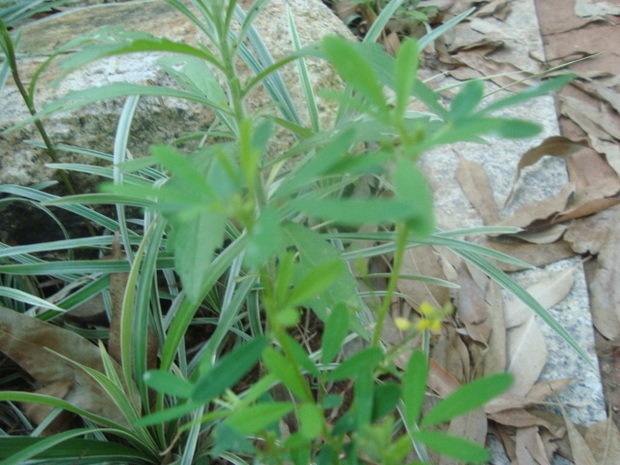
(9, 51)
(402, 233)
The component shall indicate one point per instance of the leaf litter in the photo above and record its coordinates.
(578, 220)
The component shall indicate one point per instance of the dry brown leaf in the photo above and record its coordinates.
(471, 426)
(496, 8)
(471, 308)
(475, 184)
(519, 418)
(26, 340)
(526, 344)
(527, 355)
(596, 122)
(603, 438)
(530, 448)
(588, 235)
(582, 455)
(531, 253)
(541, 213)
(543, 235)
(556, 146)
(604, 286)
(451, 352)
(588, 8)
(346, 9)
(547, 292)
(37, 413)
(424, 261)
(545, 389)
(537, 395)
(495, 357)
(440, 380)
(391, 43)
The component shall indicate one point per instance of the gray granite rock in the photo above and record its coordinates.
(156, 121)
(584, 398)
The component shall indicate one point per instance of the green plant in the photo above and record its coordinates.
(258, 245)
(407, 15)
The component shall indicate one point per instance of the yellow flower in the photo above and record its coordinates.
(431, 316)
(403, 323)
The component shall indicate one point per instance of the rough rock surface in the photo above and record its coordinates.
(156, 120)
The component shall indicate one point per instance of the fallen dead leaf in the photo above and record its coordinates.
(582, 455)
(603, 439)
(37, 413)
(543, 235)
(541, 213)
(604, 286)
(588, 235)
(527, 352)
(471, 308)
(548, 293)
(26, 339)
(474, 181)
(425, 261)
(451, 353)
(440, 380)
(532, 254)
(495, 357)
(496, 8)
(527, 355)
(519, 418)
(530, 448)
(556, 146)
(471, 426)
(545, 389)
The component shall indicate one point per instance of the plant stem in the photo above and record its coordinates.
(29, 101)
(402, 232)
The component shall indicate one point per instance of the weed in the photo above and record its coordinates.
(256, 244)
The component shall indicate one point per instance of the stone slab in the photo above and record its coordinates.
(584, 399)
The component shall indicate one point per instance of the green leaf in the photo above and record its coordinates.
(414, 387)
(468, 397)
(132, 42)
(310, 417)
(168, 383)
(355, 212)
(301, 356)
(256, 418)
(16, 450)
(286, 372)
(27, 298)
(319, 164)
(316, 280)
(335, 331)
(169, 414)
(355, 70)
(229, 369)
(265, 238)
(364, 360)
(411, 187)
(194, 242)
(363, 396)
(453, 446)
(405, 72)
(466, 100)
(386, 397)
(313, 250)
(530, 93)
